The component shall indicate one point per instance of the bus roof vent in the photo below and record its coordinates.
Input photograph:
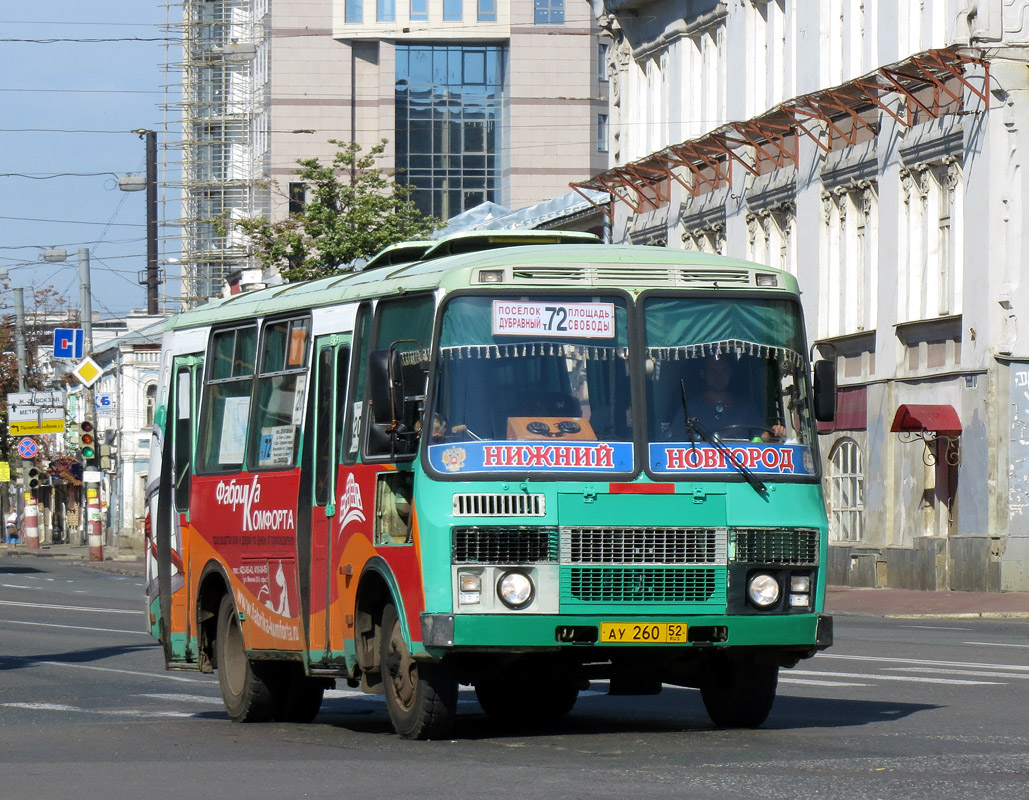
(552, 273)
(710, 277)
(499, 505)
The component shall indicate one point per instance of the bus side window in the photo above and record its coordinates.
(227, 400)
(355, 397)
(406, 324)
(278, 411)
(331, 390)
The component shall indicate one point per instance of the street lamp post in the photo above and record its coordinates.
(127, 185)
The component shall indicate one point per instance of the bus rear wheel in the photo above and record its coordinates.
(421, 697)
(245, 691)
(522, 702)
(297, 697)
(738, 694)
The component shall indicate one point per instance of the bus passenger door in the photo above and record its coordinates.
(322, 452)
(169, 545)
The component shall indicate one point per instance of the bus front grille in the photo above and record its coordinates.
(504, 545)
(470, 504)
(640, 585)
(776, 546)
(616, 545)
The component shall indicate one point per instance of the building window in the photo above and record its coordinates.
(550, 12)
(385, 11)
(602, 133)
(930, 239)
(487, 10)
(449, 101)
(602, 52)
(354, 11)
(846, 492)
(297, 197)
(151, 403)
(419, 10)
(847, 298)
(452, 10)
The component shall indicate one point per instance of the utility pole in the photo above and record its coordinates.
(151, 223)
(93, 525)
(19, 334)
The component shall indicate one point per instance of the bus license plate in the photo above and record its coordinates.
(642, 632)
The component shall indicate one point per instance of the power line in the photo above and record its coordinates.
(75, 222)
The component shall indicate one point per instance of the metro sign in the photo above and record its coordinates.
(68, 343)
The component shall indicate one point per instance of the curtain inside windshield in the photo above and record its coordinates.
(732, 367)
(544, 369)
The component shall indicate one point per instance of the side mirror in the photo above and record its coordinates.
(825, 391)
(386, 384)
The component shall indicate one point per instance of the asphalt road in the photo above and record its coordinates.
(896, 709)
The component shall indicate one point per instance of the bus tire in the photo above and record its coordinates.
(524, 703)
(298, 698)
(245, 691)
(738, 694)
(421, 697)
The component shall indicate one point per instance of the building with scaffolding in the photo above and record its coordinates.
(479, 100)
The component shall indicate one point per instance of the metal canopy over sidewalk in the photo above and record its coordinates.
(929, 84)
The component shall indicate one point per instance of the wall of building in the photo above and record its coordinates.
(907, 244)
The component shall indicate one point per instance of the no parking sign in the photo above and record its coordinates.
(27, 448)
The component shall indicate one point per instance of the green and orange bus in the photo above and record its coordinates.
(485, 462)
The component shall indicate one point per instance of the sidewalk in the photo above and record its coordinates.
(839, 600)
(122, 561)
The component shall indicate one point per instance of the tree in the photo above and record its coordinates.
(353, 210)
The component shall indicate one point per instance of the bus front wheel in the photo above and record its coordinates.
(245, 692)
(738, 694)
(515, 701)
(421, 697)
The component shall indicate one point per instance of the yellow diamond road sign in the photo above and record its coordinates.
(88, 372)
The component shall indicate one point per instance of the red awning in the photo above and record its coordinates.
(940, 418)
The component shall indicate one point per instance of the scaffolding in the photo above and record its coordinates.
(224, 142)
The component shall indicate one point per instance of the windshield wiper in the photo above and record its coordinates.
(693, 425)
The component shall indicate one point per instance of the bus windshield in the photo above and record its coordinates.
(729, 374)
(549, 372)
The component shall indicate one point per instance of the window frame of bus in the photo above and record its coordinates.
(638, 439)
(383, 305)
(183, 433)
(360, 347)
(297, 368)
(324, 457)
(206, 463)
(743, 294)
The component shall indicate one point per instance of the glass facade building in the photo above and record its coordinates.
(449, 106)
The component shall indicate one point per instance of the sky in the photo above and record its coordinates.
(67, 109)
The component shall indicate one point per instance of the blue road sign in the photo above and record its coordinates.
(27, 448)
(67, 342)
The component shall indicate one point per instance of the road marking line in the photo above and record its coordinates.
(16, 586)
(905, 678)
(190, 698)
(101, 711)
(996, 644)
(936, 628)
(925, 661)
(93, 609)
(72, 627)
(980, 673)
(809, 682)
(168, 676)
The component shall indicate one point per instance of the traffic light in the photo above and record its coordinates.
(105, 457)
(87, 442)
(28, 476)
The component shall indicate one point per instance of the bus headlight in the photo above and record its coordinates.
(763, 590)
(515, 589)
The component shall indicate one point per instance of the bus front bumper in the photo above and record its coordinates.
(526, 633)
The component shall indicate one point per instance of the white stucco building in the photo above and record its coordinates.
(874, 150)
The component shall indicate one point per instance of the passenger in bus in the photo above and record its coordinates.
(723, 406)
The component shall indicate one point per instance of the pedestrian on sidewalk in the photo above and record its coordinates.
(12, 526)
